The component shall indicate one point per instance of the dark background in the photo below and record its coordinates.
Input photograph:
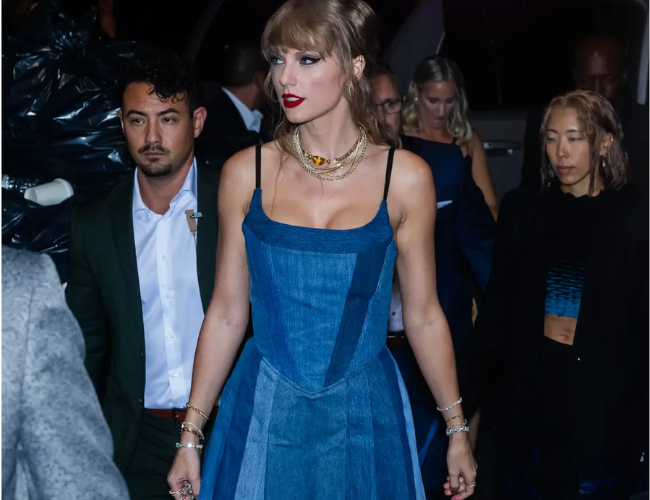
(513, 53)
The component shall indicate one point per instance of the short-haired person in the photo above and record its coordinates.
(142, 271)
(235, 120)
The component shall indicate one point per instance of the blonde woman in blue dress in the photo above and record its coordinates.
(310, 227)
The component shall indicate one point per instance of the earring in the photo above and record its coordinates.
(362, 59)
(551, 175)
(416, 99)
(603, 162)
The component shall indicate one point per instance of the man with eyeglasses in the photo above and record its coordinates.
(388, 103)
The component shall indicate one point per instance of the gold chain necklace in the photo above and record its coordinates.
(352, 158)
(319, 160)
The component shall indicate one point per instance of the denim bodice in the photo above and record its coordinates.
(319, 296)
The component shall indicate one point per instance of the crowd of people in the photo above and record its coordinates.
(326, 300)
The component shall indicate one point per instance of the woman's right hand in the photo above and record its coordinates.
(186, 469)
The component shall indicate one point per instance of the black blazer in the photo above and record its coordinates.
(611, 338)
(103, 292)
(224, 132)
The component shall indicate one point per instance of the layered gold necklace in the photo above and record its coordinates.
(329, 172)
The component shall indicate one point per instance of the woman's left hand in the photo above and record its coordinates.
(461, 465)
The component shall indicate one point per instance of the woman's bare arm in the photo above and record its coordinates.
(481, 174)
(413, 194)
(227, 316)
(424, 322)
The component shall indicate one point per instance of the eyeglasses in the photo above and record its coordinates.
(390, 106)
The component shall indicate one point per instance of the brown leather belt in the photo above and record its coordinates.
(396, 339)
(177, 416)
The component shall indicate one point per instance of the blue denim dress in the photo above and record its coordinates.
(315, 408)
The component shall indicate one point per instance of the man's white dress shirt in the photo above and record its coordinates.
(169, 289)
(252, 118)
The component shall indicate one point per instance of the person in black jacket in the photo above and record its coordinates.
(235, 121)
(564, 332)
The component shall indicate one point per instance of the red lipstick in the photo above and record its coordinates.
(291, 101)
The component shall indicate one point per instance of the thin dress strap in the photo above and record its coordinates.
(389, 169)
(258, 166)
(454, 141)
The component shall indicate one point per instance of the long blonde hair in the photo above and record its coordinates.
(438, 69)
(342, 28)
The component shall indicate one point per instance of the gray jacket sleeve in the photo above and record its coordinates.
(66, 447)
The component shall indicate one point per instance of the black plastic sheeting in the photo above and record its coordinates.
(60, 120)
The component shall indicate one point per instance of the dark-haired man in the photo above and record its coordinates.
(142, 267)
(388, 103)
(235, 121)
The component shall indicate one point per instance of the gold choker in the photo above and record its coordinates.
(351, 158)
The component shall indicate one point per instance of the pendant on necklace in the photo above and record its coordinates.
(318, 160)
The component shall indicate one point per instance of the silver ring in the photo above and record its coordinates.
(174, 493)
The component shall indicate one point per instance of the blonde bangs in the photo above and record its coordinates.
(342, 29)
(296, 26)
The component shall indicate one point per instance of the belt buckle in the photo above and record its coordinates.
(176, 414)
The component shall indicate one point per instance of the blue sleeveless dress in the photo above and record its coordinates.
(315, 408)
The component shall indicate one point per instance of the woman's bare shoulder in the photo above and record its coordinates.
(239, 170)
(475, 143)
(410, 169)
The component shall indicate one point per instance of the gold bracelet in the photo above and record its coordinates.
(190, 407)
(461, 425)
(192, 424)
(188, 429)
(460, 415)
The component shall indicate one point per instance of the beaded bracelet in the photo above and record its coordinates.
(189, 445)
(457, 429)
(196, 427)
(190, 407)
(450, 406)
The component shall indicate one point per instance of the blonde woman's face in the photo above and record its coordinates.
(435, 103)
(307, 84)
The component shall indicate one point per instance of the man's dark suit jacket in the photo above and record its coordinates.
(103, 292)
(225, 132)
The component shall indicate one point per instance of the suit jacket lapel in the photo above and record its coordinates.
(121, 213)
(206, 253)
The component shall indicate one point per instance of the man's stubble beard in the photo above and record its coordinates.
(158, 170)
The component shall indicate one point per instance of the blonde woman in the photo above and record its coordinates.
(436, 110)
(310, 226)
